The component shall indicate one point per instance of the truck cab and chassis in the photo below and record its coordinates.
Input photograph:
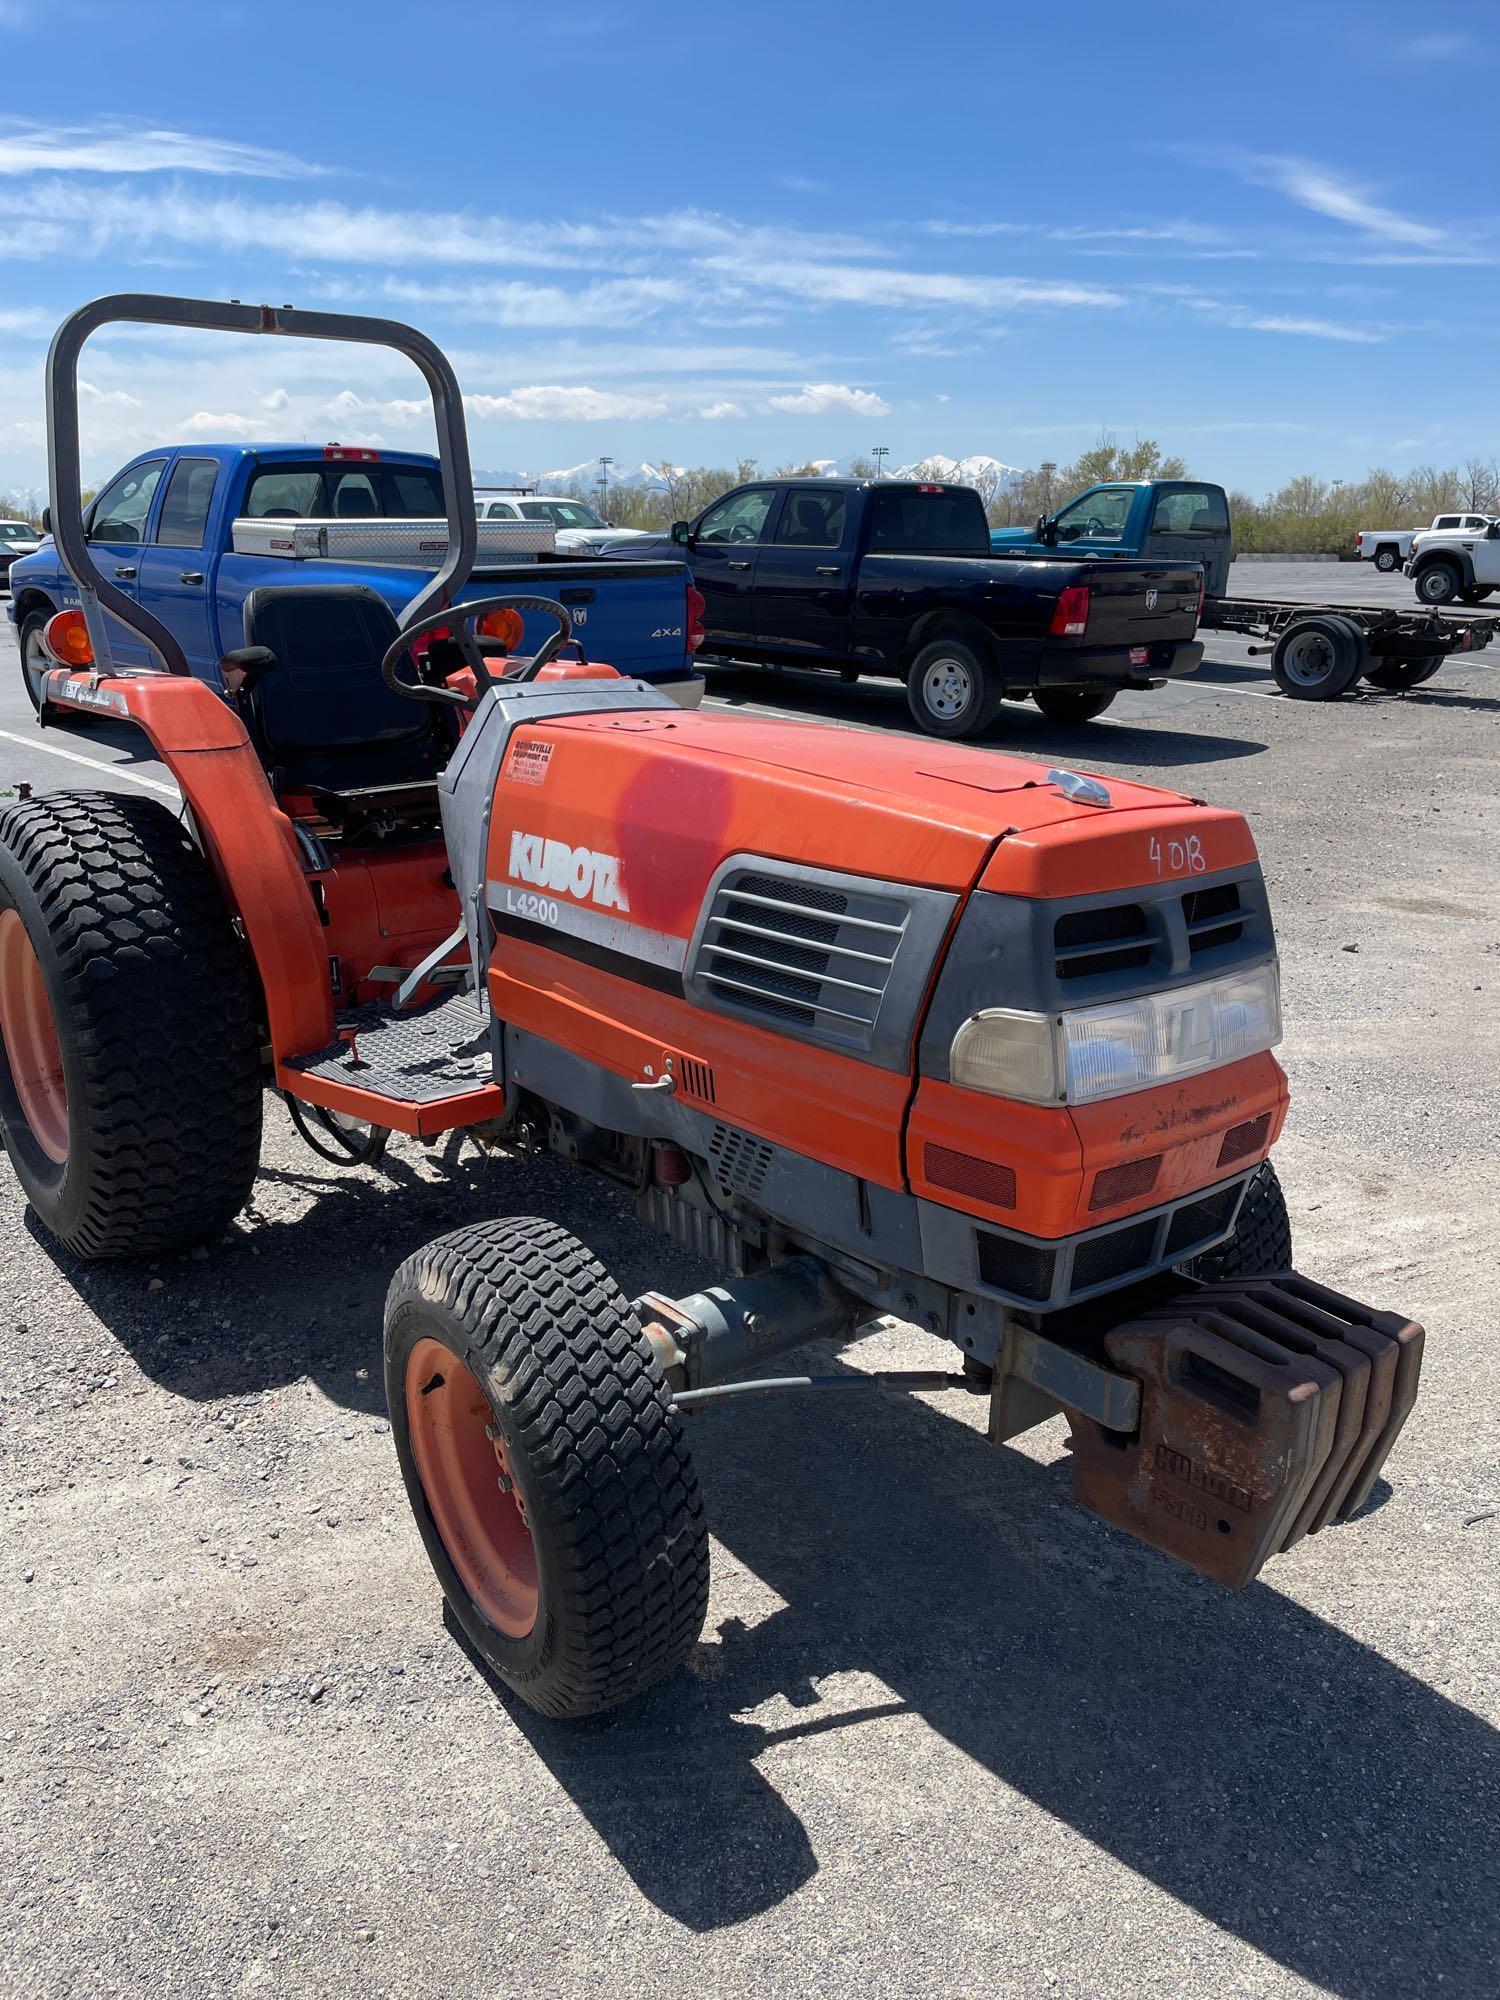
(949, 1036)
(1318, 652)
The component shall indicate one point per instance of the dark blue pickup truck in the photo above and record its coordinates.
(190, 530)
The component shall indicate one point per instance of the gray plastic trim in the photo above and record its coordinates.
(950, 1245)
(1003, 954)
(886, 1039)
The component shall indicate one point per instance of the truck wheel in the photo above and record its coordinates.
(1316, 658)
(35, 659)
(1478, 593)
(1386, 559)
(547, 1469)
(952, 690)
(1073, 705)
(1396, 674)
(1262, 1239)
(130, 1090)
(1439, 583)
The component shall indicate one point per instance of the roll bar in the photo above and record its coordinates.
(97, 596)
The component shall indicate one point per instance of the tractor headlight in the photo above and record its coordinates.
(1122, 1045)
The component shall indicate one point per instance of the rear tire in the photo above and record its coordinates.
(130, 1087)
(1070, 706)
(1396, 674)
(548, 1472)
(1262, 1241)
(1386, 560)
(1478, 594)
(1439, 583)
(1318, 657)
(952, 690)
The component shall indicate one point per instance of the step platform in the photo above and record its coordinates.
(1268, 1407)
(421, 1070)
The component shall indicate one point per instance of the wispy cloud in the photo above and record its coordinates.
(554, 403)
(819, 398)
(117, 147)
(826, 283)
(1435, 48)
(1250, 319)
(1324, 191)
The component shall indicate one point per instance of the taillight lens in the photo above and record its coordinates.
(66, 637)
(697, 604)
(506, 625)
(1202, 586)
(1071, 617)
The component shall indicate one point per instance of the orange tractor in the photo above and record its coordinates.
(876, 1027)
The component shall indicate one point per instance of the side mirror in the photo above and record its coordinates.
(1046, 531)
(682, 534)
(46, 520)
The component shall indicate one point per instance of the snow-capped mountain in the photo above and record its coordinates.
(990, 475)
(976, 470)
(580, 478)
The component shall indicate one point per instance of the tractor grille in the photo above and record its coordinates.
(801, 953)
(1213, 916)
(1115, 938)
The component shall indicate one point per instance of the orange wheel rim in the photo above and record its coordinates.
(31, 1044)
(470, 1492)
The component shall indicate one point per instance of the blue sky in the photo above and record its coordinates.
(1268, 237)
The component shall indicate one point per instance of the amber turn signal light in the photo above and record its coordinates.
(66, 637)
(507, 626)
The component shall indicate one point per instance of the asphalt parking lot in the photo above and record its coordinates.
(944, 1734)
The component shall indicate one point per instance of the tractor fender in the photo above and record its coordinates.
(247, 838)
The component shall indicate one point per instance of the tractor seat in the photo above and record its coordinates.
(322, 716)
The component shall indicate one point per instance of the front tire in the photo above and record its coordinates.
(36, 661)
(952, 690)
(548, 1472)
(1439, 583)
(1071, 706)
(130, 1088)
(1261, 1245)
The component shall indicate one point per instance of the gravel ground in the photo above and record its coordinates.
(945, 1734)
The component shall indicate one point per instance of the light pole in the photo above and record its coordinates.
(880, 454)
(604, 464)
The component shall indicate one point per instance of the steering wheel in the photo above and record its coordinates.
(456, 622)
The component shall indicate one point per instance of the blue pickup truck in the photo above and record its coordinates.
(1177, 520)
(190, 530)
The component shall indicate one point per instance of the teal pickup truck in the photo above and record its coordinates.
(1164, 520)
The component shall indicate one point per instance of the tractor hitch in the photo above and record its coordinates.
(1268, 1406)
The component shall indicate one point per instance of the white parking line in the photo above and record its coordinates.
(94, 763)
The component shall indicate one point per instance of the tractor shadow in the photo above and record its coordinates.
(1021, 731)
(1290, 1784)
(296, 1288)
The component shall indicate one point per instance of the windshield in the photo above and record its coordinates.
(561, 513)
(1096, 517)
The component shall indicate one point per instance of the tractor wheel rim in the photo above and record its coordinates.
(30, 1035)
(1308, 659)
(947, 688)
(469, 1487)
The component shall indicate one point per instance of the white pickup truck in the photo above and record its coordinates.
(1456, 564)
(1388, 548)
